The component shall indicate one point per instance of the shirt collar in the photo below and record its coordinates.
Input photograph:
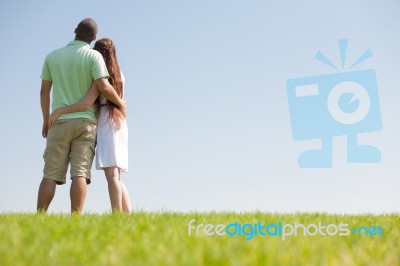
(77, 42)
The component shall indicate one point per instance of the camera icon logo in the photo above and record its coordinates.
(338, 104)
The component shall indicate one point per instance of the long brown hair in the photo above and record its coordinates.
(107, 49)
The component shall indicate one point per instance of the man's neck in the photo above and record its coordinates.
(77, 39)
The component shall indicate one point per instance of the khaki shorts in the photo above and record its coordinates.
(70, 141)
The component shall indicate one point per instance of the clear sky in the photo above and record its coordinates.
(208, 109)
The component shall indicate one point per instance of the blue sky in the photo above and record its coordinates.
(208, 111)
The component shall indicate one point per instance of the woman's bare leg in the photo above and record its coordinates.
(126, 201)
(114, 188)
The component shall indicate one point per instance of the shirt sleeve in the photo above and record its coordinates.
(99, 68)
(46, 75)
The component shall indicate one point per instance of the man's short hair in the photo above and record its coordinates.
(86, 30)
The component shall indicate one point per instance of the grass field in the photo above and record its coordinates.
(162, 239)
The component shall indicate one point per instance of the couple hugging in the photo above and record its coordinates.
(88, 108)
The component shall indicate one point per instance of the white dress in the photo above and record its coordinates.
(112, 144)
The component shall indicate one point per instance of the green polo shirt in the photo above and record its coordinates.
(72, 70)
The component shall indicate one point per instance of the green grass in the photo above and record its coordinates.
(162, 239)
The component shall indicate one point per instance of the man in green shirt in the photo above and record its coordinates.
(70, 71)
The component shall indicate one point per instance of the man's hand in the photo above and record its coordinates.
(45, 105)
(45, 129)
(122, 107)
(108, 91)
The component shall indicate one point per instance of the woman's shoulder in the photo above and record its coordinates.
(123, 84)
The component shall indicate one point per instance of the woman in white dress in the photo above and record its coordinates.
(112, 130)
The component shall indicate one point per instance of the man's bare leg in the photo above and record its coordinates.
(47, 189)
(78, 194)
(114, 188)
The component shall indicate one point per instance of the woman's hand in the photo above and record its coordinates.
(53, 118)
